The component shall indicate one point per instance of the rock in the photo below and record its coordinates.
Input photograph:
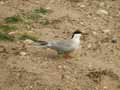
(82, 23)
(28, 41)
(2, 49)
(102, 4)
(82, 6)
(102, 12)
(90, 66)
(1, 2)
(48, 8)
(60, 67)
(106, 30)
(105, 88)
(89, 45)
(12, 33)
(114, 40)
(22, 53)
(94, 33)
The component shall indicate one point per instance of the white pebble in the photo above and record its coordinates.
(106, 30)
(12, 33)
(82, 6)
(28, 41)
(105, 87)
(94, 33)
(102, 11)
(48, 8)
(22, 53)
(1, 2)
(59, 66)
(89, 45)
(102, 4)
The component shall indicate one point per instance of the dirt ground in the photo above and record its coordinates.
(95, 66)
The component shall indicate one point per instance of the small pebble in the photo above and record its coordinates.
(94, 33)
(89, 45)
(28, 41)
(48, 8)
(82, 6)
(102, 4)
(67, 77)
(114, 40)
(12, 33)
(106, 30)
(1, 2)
(90, 66)
(102, 11)
(82, 23)
(105, 87)
(22, 53)
(59, 66)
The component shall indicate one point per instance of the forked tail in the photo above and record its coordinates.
(41, 43)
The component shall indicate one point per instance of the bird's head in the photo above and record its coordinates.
(77, 34)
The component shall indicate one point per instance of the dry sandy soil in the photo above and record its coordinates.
(95, 66)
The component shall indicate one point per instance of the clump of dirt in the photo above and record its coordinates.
(98, 75)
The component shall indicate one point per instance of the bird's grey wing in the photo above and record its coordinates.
(63, 45)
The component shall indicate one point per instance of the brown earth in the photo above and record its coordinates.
(95, 66)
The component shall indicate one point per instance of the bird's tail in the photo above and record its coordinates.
(41, 43)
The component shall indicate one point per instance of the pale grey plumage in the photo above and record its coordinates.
(62, 46)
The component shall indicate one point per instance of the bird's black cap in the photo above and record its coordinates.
(77, 32)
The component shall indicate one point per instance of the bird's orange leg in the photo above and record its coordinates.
(67, 56)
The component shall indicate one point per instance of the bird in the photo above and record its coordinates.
(63, 47)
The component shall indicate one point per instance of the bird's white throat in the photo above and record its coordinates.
(76, 38)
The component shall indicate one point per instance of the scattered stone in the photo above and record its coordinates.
(95, 18)
(48, 8)
(102, 12)
(82, 6)
(106, 30)
(89, 45)
(1, 2)
(64, 66)
(22, 53)
(94, 33)
(59, 66)
(2, 49)
(102, 4)
(28, 41)
(67, 77)
(37, 1)
(82, 23)
(90, 66)
(12, 33)
(105, 88)
(114, 40)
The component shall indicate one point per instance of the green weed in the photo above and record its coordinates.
(4, 37)
(44, 22)
(33, 16)
(13, 19)
(25, 36)
(40, 11)
(7, 28)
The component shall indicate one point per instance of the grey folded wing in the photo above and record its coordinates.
(61, 46)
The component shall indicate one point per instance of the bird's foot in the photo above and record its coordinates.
(67, 56)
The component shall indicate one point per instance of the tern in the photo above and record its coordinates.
(64, 47)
